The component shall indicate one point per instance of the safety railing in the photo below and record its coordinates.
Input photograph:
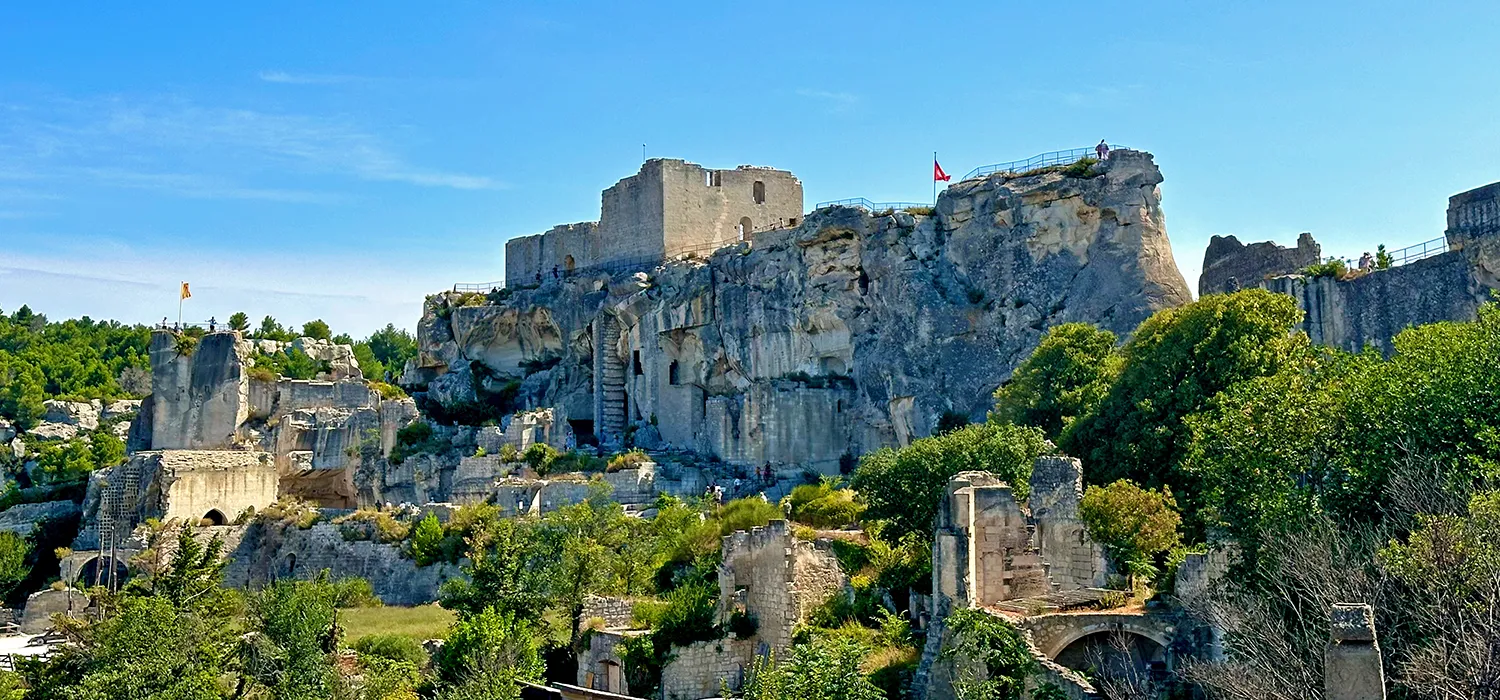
(614, 267)
(481, 287)
(867, 205)
(1041, 160)
(1413, 253)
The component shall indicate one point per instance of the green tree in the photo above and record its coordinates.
(829, 668)
(1064, 378)
(295, 632)
(1138, 527)
(905, 486)
(239, 321)
(1173, 366)
(1383, 259)
(990, 656)
(149, 649)
(14, 550)
(392, 346)
(487, 655)
(317, 329)
(426, 545)
(512, 567)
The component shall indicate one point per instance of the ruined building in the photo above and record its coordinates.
(807, 344)
(669, 209)
(1371, 308)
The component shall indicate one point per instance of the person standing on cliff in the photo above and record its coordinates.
(1366, 262)
(1102, 150)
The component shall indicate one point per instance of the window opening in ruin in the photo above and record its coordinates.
(635, 363)
(758, 192)
(839, 407)
(213, 517)
(744, 227)
(291, 564)
(792, 221)
(708, 178)
(672, 373)
(718, 180)
(568, 263)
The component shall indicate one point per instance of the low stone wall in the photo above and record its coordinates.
(36, 618)
(703, 669)
(615, 612)
(269, 551)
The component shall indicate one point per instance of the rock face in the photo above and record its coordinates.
(1229, 265)
(849, 332)
(1371, 308)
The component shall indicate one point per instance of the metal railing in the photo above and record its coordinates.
(1041, 160)
(867, 205)
(1413, 253)
(482, 287)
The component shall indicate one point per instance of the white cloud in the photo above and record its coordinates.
(276, 76)
(198, 186)
(838, 100)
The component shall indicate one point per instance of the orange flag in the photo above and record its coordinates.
(185, 292)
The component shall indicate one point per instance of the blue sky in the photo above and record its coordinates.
(340, 160)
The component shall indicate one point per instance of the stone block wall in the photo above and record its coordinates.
(268, 551)
(615, 612)
(1073, 559)
(776, 578)
(702, 669)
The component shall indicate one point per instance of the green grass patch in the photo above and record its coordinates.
(420, 622)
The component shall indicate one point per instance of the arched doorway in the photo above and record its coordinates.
(291, 565)
(96, 571)
(213, 518)
(745, 227)
(1114, 654)
(568, 263)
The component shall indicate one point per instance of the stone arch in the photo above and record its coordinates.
(96, 571)
(1113, 653)
(213, 517)
(290, 564)
(1074, 627)
(745, 227)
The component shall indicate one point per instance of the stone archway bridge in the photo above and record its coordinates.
(1054, 632)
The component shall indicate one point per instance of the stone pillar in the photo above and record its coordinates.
(1351, 664)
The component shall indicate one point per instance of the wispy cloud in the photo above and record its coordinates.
(838, 101)
(178, 147)
(276, 76)
(198, 186)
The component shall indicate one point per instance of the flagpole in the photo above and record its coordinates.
(934, 178)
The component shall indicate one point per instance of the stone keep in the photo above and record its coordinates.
(808, 345)
(670, 208)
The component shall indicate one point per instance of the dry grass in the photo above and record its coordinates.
(421, 622)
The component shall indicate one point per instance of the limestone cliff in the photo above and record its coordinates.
(851, 331)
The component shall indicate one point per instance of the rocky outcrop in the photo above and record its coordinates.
(1369, 308)
(1229, 264)
(849, 332)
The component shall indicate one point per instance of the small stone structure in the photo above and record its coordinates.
(766, 574)
(1351, 663)
(669, 208)
(36, 617)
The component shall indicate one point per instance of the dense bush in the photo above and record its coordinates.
(904, 487)
(395, 647)
(77, 359)
(1138, 527)
(823, 506)
(629, 459)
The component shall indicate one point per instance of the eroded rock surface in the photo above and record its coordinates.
(805, 346)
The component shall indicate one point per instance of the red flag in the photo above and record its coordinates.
(937, 172)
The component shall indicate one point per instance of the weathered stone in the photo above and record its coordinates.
(83, 414)
(7, 431)
(122, 408)
(22, 518)
(264, 552)
(1229, 265)
(54, 431)
(1351, 662)
(36, 618)
(840, 335)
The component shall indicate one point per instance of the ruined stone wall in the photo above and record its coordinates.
(192, 483)
(1229, 265)
(265, 552)
(844, 334)
(707, 208)
(528, 258)
(1371, 309)
(1073, 559)
(702, 669)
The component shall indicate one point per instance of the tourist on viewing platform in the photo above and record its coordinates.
(211, 324)
(1366, 262)
(1102, 150)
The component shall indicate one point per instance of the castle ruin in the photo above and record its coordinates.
(669, 209)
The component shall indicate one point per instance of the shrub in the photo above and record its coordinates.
(184, 345)
(388, 391)
(1332, 267)
(1084, 167)
(355, 592)
(746, 513)
(920, 211)
(646, 613)
(629, 459)
(426, 546)
(822, 506)
(395, 647)
(1137, 526)
(743, 625)
(540, 456)
(416, 438)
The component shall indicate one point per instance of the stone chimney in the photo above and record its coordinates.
(1351, 664)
